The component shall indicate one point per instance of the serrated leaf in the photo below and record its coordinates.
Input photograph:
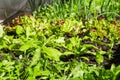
(52, 53)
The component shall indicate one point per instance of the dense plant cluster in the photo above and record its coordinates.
(49, 46)
(85, 9)
(60, 49)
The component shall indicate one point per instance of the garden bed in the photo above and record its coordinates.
(49, 46)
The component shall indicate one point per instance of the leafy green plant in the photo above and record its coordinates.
(57, 45)
(80, 9)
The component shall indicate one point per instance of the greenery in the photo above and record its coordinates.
(85, 9)
(67, 40)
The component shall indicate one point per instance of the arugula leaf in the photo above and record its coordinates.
(52, 53)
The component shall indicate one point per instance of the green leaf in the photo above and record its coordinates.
(75, 78)
(36, 57)
(19, 30)
(28, 30)
(52, 53)
(77, 72)
(67, 53)
(102, 52)
(26, 46)
(99, 58)
(85, 58)
(88, 46)
(60, 40)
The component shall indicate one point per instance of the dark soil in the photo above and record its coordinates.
(116, 55)
(92, 58)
